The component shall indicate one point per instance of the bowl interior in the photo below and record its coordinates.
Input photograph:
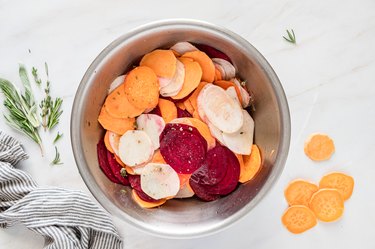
(187, 217)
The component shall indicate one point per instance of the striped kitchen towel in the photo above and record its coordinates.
(65, 218)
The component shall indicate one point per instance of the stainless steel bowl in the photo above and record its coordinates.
(189, 217)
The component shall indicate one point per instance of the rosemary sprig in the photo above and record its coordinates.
(291, 37)
(37, 79)
(55, 113)
(57, 138)
(56, 160)
(45, 106)
(22, 110)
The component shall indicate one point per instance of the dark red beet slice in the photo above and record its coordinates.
(103, 161)
(182, 147)
(116, 169)
(218, 174)
(135, 183)
(156, 111)
(212, 52)
(183, 113)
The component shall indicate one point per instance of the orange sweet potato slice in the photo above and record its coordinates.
(196, 115)
(193, 76)
(251, 164)
(119, 161)
(145, 204)
(181, 105)
(163, 62)
(298, 219)
(158, 158)
(168, 110)
(107, 143)
(208, 67)
(188, 106)
(319, 147)
(142, 88)
(342, 182)
(118, 105)
(129, 170)
(193, 97)
(299, 192)
(217, 75)
(225, 84)
(184, 178)
(327, 204)
(116, 125)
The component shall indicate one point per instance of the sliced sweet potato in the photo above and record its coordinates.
(189, 107)
(174, 86)
(116, 125)
(146, 204)
(163, 62)
(142, 88)
(181, 105)
(116, 83)
(120, 162)
(298, 219)
(129, 170)
(208, 68)
(342, 182)
(158, 158)
(225, 84)
(327, 204)
(319, 147)
(118, 106)
(212, 52)
(252, 164)
(168, 110)
(299, 192)
(193, 76)
(107, 143)
(185, 189)
(217, 75)
(204, 131)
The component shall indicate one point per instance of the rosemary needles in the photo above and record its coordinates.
(291, 36)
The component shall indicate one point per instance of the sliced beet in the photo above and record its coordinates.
(103, 161)
(213, 52)
(116, 169)
(156, 111)
(182, 147)
(135, 183)
(183, 113)
(201, 192)
(218, 174)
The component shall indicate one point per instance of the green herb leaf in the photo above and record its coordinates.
(21, 115)
(57, 138)
(291, 37)
(37, 80)
(56, 160)
(55, 113)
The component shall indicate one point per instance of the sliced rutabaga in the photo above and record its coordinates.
(117, 82)
(153, 125)
(183, 47)
(159, 181)
(174, 86)
(135, 148)
(231, 91)
(225, 68)
(218, 108)
(114, 140)
(240, 142)
(244, 93)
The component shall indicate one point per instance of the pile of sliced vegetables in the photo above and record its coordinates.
(176, 127)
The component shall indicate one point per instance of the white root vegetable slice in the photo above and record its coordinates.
(153, 125)
(163, 82)
(181, 121)
(159, 180)
(139, 169)
(176, 83)
(241, 141)
(244, 93)
(114, 140)
(185, 191)
(118, 81)
(231, 91)
(226, 69)
(219, 109)
(216, 133)
(135, 148)
(183, 47)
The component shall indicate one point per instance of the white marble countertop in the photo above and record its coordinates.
(328, 78)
